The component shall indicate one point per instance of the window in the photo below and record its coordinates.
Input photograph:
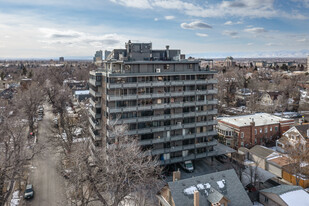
(242, 144)
(167, 66)
(270, 129)
(242, 135)
(261, 130)
(266, 130)
(266, 199)
(255, 131)
(276, 129)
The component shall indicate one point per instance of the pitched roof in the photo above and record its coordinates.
(280, 161)
(291, 195)
(225, 183)
(303, 130)
(281, 189)
(261, 151)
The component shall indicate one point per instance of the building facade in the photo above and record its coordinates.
(250, 130)
(168, 103)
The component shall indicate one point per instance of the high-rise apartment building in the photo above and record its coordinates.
(98, 56)
(168, 103)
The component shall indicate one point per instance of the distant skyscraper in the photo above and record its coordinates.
(61, 59)
(98, 56)
(308, 63)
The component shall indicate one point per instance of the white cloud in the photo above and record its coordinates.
(140, 4)
(255, 30)
(270, 44)
(195, 25)
(237, 8)
(250, 44)
(232, 34)
(232, 23)
(201, 34)
(302, 40)
(156, 19)
(169, 17)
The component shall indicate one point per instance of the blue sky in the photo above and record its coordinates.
(76, 28)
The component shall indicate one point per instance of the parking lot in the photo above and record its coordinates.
(201, 167)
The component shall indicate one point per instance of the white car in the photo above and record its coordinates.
(187, 166)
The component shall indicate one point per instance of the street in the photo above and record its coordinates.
(47, 182)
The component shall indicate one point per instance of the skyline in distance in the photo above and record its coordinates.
(212, 29)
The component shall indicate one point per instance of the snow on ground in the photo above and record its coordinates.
(15, 198)
(221, 183)
(296, 198)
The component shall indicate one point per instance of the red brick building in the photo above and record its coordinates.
(250, 130)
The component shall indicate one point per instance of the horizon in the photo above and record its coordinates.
(212, 29)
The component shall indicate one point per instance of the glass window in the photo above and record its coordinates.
(276, 129)
(255, 131)
(242, 135)
(266, 130)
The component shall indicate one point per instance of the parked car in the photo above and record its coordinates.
(187, 166)
(29, 192)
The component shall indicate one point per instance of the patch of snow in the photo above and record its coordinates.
(190, 190)
(221, 183)
(200, 186)
(296, 198)
(304, 164)
(15, 198)
(207, 185)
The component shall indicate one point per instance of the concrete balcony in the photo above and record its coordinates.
(171, 127)
(164, 117)
(95, 126)
(95, 104)
(162, 106)
(160, 95)
(94, 115)
(94, 93)
(189, 157)
(95, 137)
(94, 82)
(183, 147)
(160, 83)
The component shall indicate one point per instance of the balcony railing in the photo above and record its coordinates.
(94, 136)
(94, 115)
(160, 95)
(171, 127)
(164, 117)
(95, 104)
(96, 126)
(177, 138)
(160, 83)
(95, 82)
(94, 93)
(162, 106)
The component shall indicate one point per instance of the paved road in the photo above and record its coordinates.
(47, 182)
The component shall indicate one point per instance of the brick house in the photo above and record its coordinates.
(253, 129)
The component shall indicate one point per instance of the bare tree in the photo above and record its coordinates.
(29, 101)
(16, 151)
(117, 178)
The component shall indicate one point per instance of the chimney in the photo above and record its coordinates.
(176, 176)
(196, 198)
(167, 52)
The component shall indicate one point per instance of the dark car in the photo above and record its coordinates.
(29, 192)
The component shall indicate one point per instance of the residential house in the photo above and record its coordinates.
(220, 188)
(275, 165)
(284, 195)
(253, 129)
(259, 154)
(295, 135)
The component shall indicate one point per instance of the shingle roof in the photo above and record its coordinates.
(303, 130)
(261, 151)
(281, 189)
(233, 189)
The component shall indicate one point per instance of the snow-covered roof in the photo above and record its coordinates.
(260, 119)
(291, 195)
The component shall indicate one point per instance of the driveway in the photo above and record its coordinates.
(47, 182)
